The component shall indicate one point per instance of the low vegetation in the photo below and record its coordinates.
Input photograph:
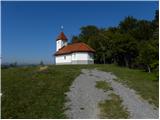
(103, 85)
(145, 84)
(112, 108)
(31, 92)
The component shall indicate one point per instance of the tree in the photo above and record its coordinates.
(75, 39)
(128, 25)
(156, 19)
(143, 31)
(148, 55)
(90, 35)
(105, 44)
(133, 43)
(124, 49)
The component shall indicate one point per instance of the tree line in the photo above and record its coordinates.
(15, 65)
(133, 43)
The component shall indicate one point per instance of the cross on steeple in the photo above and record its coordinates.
(62, 28)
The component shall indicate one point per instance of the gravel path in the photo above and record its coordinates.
(83, 97)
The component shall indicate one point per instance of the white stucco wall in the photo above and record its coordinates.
(65, 59)
(69, 58)
(60, 44)
(80, 56)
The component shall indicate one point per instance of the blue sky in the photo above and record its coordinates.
(29, 29)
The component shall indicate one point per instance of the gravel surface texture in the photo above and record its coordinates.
(83, 97)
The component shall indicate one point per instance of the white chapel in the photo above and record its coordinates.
(75, 53)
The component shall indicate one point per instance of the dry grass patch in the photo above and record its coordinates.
(42, 68)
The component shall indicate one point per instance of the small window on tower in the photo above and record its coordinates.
(64, 57)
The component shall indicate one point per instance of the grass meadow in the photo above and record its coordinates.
(28, 92)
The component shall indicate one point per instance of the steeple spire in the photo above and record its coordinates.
(61, 40)
(62, 37)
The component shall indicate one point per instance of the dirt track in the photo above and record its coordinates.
(84, 97)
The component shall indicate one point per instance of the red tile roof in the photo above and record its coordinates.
(75, 47)
(62, 37)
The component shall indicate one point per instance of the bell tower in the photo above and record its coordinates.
(61, 40)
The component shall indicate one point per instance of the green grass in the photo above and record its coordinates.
(113, 109)
(145, 84)
(103, 85)
(30, 93)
